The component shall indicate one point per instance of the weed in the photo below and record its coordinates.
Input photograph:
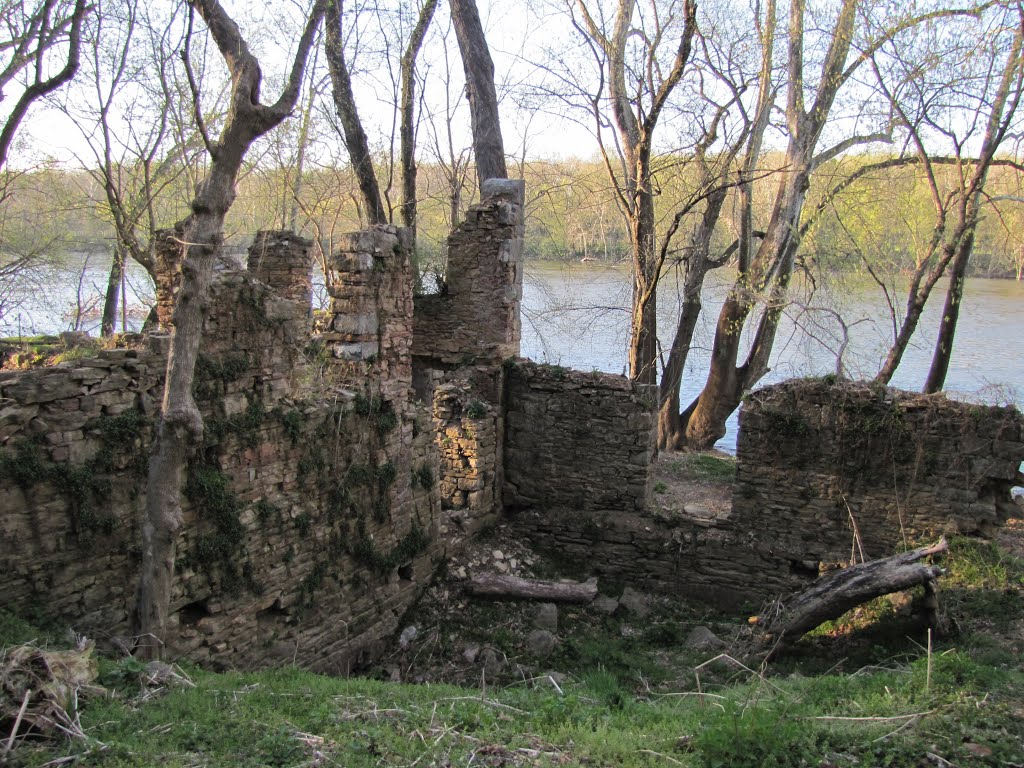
(476, 410)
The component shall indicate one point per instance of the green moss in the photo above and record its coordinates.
(423, 477)
(304, 525)
(381, 412)
(292, 421)
(217, 551)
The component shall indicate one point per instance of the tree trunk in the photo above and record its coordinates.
(408, 105)
(643, 344)
(835, 593)
(345, 104)
(115, 279)
(671, 435)
(181, 425)
(483, 98)
(950, 314)
(498, 585)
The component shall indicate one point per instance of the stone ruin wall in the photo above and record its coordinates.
(310, 511)
(828, 469)
(462, 336)
(813, 460)
(582, 442)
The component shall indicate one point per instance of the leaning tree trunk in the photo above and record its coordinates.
(483, 98)
(108, 323)
(181, 425)
(407, 131)
(345, 104)
(950, 314)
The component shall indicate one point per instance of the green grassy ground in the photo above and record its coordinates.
(860, 692)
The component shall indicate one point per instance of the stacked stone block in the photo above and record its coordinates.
(306, 533)
(370, 337)
(577, 441)
(466, 436)
(283, 260)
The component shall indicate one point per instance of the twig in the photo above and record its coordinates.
(485, 701)
(878, 719)
(659, 754)
(17, 720)
(928, 672)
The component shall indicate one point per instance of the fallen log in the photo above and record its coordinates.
(835, 593)
(501, 586)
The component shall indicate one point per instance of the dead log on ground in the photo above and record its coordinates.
(500, 586)
(835, 593)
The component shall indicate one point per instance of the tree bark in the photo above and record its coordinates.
(108, 321)
(181, 425)
(483, 98)
(835, 593)
(407, 131)
(345, 104)
(498, 585)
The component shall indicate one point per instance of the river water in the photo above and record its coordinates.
(575, 316)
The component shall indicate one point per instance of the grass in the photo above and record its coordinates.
(705, 466)
(631, 699)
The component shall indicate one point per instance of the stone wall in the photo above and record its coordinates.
(823, 471)
(577, 441)
(467, 429)
(826, 469)
(311, 512)
(476, 318)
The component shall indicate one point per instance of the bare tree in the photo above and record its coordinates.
(766, 264)
(124, 116)
(34, 33)
(181, 424)
(638, 89)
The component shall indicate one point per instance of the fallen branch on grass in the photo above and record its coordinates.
(835, 593)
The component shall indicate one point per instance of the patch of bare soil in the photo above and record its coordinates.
(694, 484)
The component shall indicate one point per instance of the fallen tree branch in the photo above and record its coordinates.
(835, 593)
(498, 585)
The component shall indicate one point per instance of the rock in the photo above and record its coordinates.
(501, 567)
(460, 572)
(702, 638)
(498, 554)
(394, 674)
(635, 603)
(408, 635)
(546, 617)
(493, 663)
(541, 643)
(698, 510)
(604, 604)
(470, 652)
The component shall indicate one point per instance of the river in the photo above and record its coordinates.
(575, 315)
